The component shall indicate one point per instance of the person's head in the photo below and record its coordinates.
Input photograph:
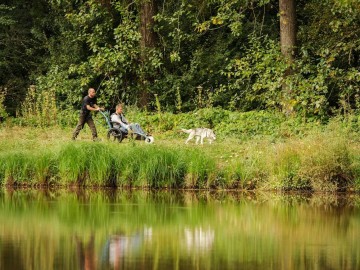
(119, 108)
(92, 92)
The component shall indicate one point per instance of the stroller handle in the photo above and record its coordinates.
(106, 117)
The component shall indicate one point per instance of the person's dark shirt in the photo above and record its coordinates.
(87, 101)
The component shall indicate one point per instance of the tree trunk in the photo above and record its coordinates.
(287, 28)
(288, 45)
(147, 12)
(106, 4)
(148, 40)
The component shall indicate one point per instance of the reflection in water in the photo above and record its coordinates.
(166, 230)
(199, 239)
(8, 250)
(121, 245)
(86, 253)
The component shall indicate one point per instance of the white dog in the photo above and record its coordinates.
(200, 134)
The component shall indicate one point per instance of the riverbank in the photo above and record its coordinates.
(327, 160)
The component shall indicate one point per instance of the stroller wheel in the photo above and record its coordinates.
(115, 135)
(149, 139)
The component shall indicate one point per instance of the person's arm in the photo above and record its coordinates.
(91, 108)
(95, 108)
(127, 121)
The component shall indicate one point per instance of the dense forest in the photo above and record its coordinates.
(296, 56)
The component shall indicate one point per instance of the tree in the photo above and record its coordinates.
(147, 12)
(147, 41)
(288, 44)
(23, 35)
(287, 28)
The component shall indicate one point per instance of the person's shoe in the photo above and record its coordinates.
(73, 138)
(96, 140)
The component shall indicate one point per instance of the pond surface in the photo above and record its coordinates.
(177, 230)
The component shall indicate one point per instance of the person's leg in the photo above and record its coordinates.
(79, 126)
(137, 129)
(119, 127)
(123, 130)
(92, 126)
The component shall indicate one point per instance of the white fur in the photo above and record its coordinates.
(200, 134)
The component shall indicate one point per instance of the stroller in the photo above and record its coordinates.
(116, 134)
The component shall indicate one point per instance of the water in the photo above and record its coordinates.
(177, 230)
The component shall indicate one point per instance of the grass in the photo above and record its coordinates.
(326, 160)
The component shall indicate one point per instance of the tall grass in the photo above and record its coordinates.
(284, 168)
(200, 169)
(18, 168)
(328, 167)
(27, 168)
(102, 164)
(72, 164)
(355, 167)
(44, 166)
(161, 167)
(324, 161)
(317, 163)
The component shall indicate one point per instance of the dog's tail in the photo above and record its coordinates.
(186, 130)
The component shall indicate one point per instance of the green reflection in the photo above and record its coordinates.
(110, 229)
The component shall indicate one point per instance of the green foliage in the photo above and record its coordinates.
(255, 77)
(327, 77)
(228, 48)
(23, 34)
(39, 108)
(5, 18)
(3, 113)
(111, 60)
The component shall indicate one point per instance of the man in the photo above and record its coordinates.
(123, 124)
(88, 105)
